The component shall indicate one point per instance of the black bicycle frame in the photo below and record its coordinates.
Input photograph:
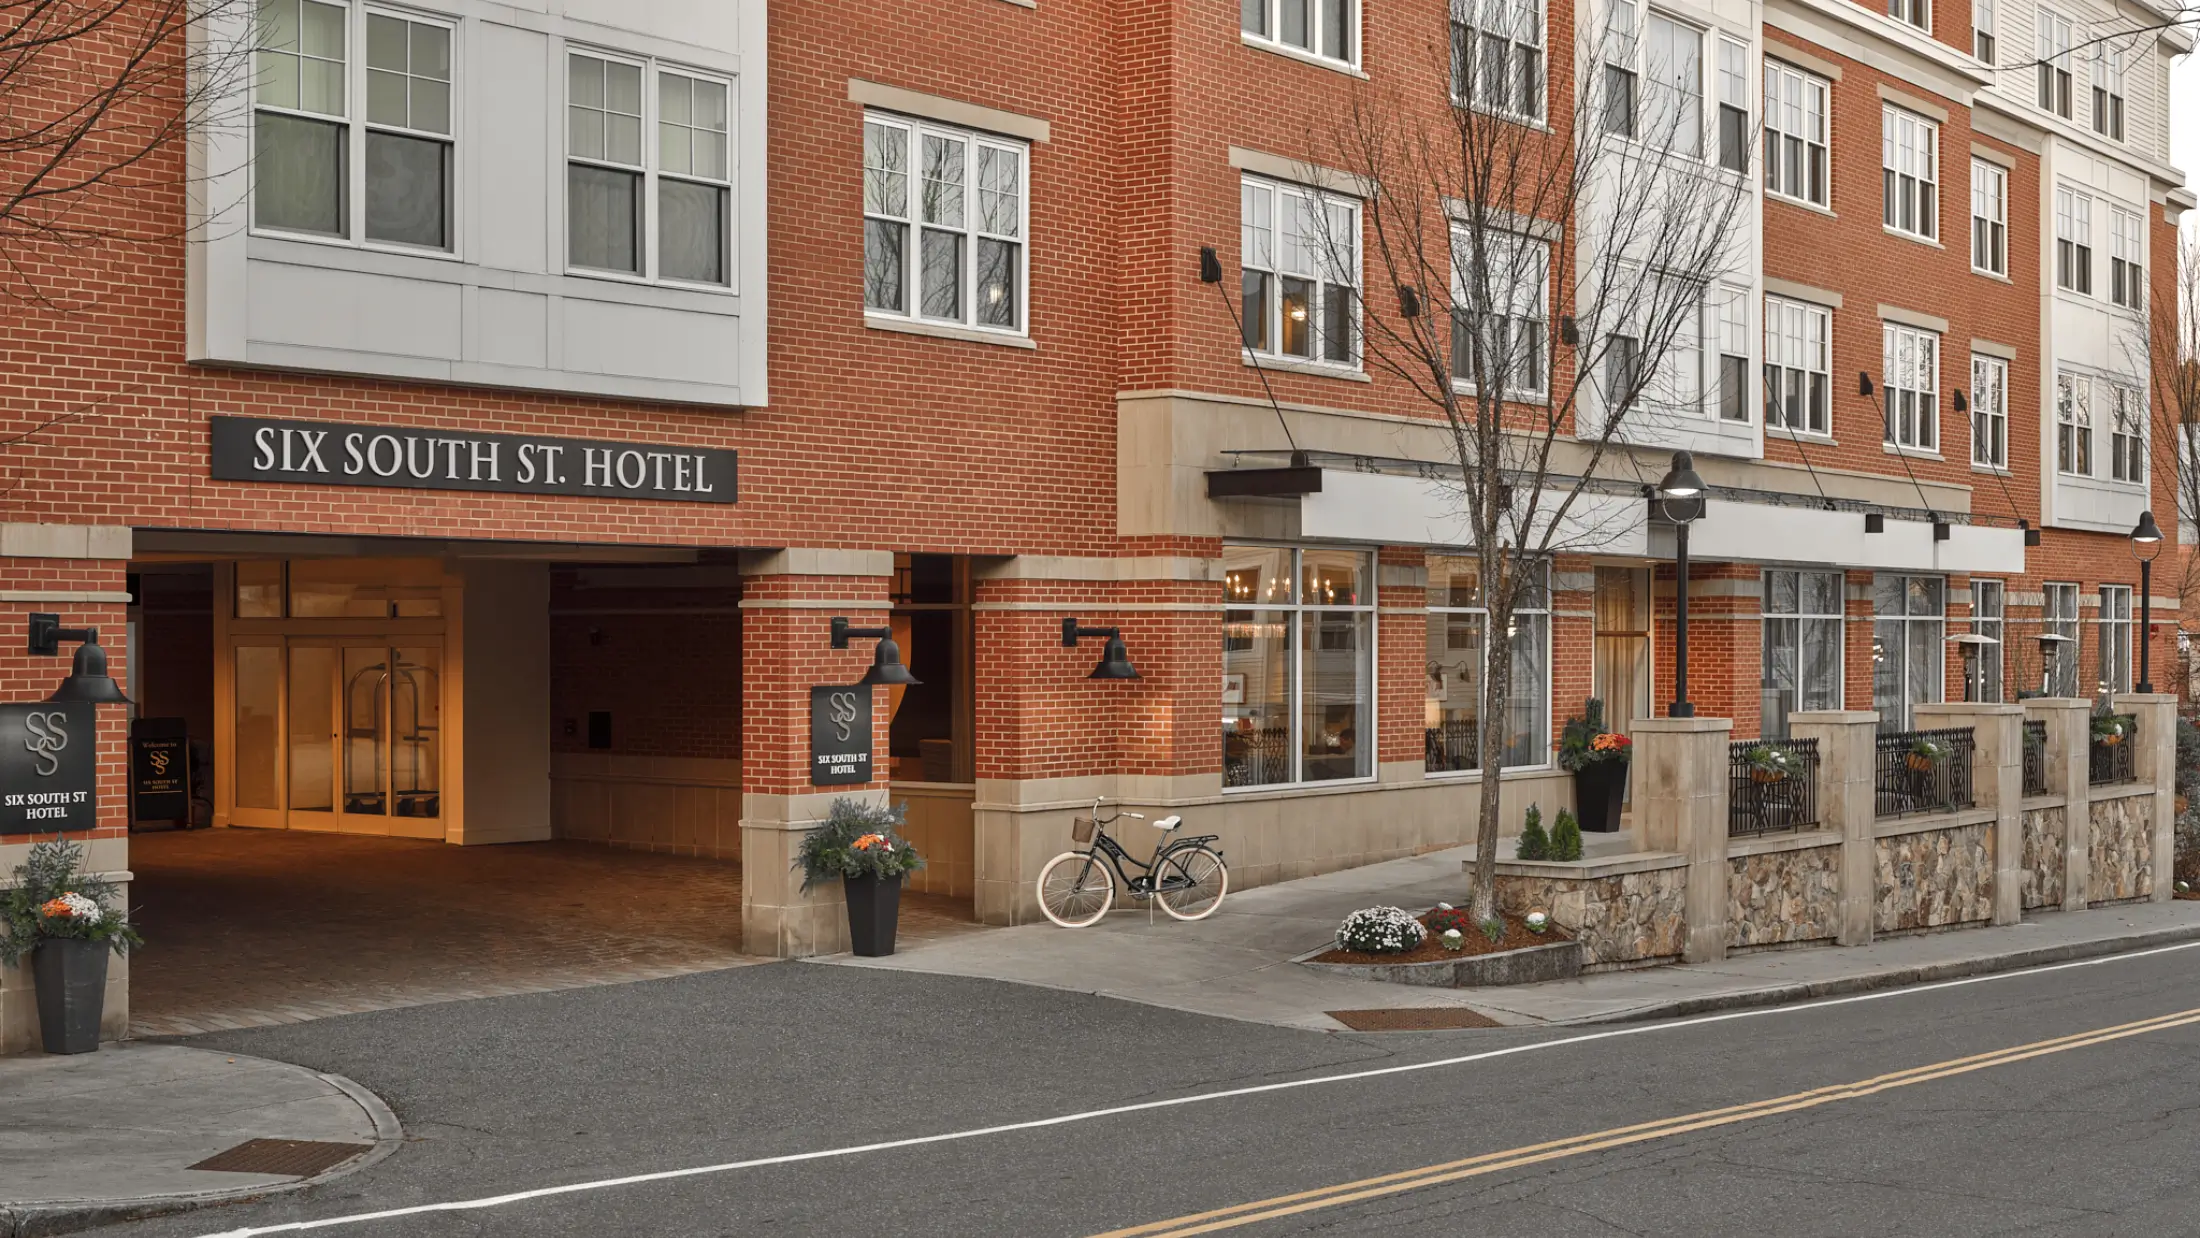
(1142, 884)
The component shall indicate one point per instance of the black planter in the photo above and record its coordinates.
(71, 977)
(1599, 789)
(874, 906)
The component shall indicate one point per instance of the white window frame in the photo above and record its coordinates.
(1798, 364)
(1903, 620)
(1911, 387)
(1730, 378)
(650, 168)
(1989, 411)
(1525, 318)
(2073, 424)
(2073, 241)
(915, 131)
(2127, 433)
(1537, 604)
(1270, 33)
(1989, 218)
(1264, 250)
(1984, 43)
(1918, 13)
(1989, 618)
(2054, 80)
(2114, 622)
(1367, 738)
(1910, 166)
(2059, 616)
(1521, 29)
(2126, 259)
(1835, 621)
(1730, 136)
(1688, 139)
(1796, 108)
(2107, 112)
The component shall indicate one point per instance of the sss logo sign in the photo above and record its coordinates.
(49, 768)
(840, 735)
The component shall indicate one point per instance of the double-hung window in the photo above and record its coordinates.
(1989, 218)
(2126, 245)
(1329, 29)
(1672, 77)
(2127, 437)
(1982, 29)
(1802, 645)
(2074, 424)
(1795, 134)
(319, 162)
(1910, 150)
(1918, 13)
(1989, 412)
(1500, 312)
(1300, 254)
(944, 220)
(2059, 617)
(2115, 627)
(1913, 387)
(1675, 383)
(1732, 308)
(1798, 367)
(1909, 620)
(1622, 44)
(2073, 241)
(648, 170)
(1734, 140)
(2054, 62)
(2108, 90)
(1298, 663)
(1988, 602)
(1497, 56)
(1458, 622)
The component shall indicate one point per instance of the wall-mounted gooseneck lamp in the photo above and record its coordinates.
(1115, 657)
(88, 678)
(886, 664)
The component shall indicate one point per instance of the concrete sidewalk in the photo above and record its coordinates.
(1237, 962)
(100, 1137)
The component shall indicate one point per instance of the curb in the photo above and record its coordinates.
(38, 1220)
(1890, 978)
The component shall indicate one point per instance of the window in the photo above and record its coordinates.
(306, 135)
(1733, 378)
(1802, 645)
(2115, 638)
(1621, 45)
(1733, 106)
(1910, 150)
(1908, 622)
(1676, 381)
(1457, 621)
(654, 209)
(2073, 425)
(2127, 457)
(1912, 369)
(1508, 301)
(1916, 12)
(2054, 62)
(1672, 74)
(1329, 29)
(2059, 617)
(1798, 376)
(1497, 56)
(1622, 373)
(1982, 29)
(1297, 666)
(943, 227)
(1988, 599)
(2108, 90)
(1795, 134)
(2126, 246)
(1989, 218)
(2073, 241)
(1300, 254)
(1989, 412)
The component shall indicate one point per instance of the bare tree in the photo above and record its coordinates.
(2165, 347)
(1543, 284)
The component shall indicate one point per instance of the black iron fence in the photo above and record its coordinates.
(2114, 756)
(1924, 771)
(1450, 746)
(1256, 758)
(2035, 758)
(1772, 786)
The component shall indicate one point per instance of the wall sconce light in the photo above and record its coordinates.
(1115, 657)
(2031, 535)
(1409, 301)
(1863, 383)
(886, 664)
(1961, 405)
(1941, 531)
(1569, 332)
(88, 678)
(1210, 267)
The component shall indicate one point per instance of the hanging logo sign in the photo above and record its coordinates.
(840, 735)
(49, 768)
(334, 453)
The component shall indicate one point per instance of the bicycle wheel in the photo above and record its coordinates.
(1190, 883)
(1076, 888)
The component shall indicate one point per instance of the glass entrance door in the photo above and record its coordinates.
(339, 734)
(391, 737)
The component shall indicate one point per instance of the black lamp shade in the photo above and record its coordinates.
(1210, 267)
(88, 679)
(886, 666)
(2147, 531)
(1681, 482)
(1115, 662)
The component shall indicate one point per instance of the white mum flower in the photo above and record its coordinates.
(81, 908)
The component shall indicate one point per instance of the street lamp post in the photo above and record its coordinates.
(1680, 494)
(2146, 543)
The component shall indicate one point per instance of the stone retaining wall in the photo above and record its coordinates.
(1784, 896)
(2046, 835)
(1625, 918)
(2122, 849)
(1933, 878)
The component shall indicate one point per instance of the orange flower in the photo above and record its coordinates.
(869, 841)
(56, 909)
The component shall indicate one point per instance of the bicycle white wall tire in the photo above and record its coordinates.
(1206, 878)
(1074, 898)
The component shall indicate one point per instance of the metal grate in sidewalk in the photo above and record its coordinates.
(1413, 1019)
(297, 1158)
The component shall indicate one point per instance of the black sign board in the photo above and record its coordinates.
(160, 770)
(840, 735)
(49, 768)
(334, 453)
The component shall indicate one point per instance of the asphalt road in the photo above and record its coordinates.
(2090, 1136)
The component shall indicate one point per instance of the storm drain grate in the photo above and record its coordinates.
(297, 1158)
(1413, 1019)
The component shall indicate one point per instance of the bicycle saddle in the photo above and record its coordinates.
(1168, 823)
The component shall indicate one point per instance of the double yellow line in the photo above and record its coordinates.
(1620, 1137)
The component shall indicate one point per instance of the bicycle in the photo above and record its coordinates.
(1186, 876)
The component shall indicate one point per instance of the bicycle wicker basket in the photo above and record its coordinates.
(1080, 829)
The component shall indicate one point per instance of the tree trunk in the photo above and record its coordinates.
(1496, 696)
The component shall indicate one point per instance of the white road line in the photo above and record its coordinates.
(1090, 1115)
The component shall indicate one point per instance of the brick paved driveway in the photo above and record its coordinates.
(254, 927)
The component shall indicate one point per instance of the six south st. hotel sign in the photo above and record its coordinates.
(334, 453)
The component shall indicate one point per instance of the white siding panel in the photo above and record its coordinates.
(508, 168)
(604, 337)
(714, 24)
(511, 328)
(351, 311)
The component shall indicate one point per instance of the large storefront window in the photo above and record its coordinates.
(2115, 638)
(1988, 601)
(1297, 666)
(1802, 645)
(2059, 617)
(1457, 620)
(1908, 624)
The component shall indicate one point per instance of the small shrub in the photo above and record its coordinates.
(1566, 837)
(1380, 930)
(1446, 919)
(1494, 928)
(1534, 843)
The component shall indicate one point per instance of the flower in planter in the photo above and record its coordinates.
(1453, 939)
(857, 840)
(73, 906)
(2109, 730)
(1538, 922)
(1926, 754)
(52, 896)
(1380, 930)
(1772, 762)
